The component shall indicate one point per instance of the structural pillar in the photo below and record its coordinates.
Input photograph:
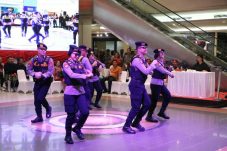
(85, 22)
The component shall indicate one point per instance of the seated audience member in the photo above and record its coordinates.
(149, 61)
(58, 76)
(21, 66)
(176, 65)
(10, 69)
(117, 58)
(200, 64)
(114, 72)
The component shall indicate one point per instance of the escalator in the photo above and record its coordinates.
(129, 22)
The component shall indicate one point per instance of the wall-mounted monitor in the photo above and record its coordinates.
(53, 22)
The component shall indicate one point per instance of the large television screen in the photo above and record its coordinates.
(53, 22)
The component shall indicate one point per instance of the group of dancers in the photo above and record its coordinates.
(81, 77)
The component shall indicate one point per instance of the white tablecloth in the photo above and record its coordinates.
(192, 84)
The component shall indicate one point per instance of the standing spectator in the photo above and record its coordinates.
(122, 53)
(75, 27)
(55, 17)
(61, 21)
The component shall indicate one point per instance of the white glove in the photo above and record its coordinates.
(38, 75)
(171, 75)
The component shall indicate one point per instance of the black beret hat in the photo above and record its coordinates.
(82, 47)
(41, 45)
(140, 43)
(72, 48)
(158, 50)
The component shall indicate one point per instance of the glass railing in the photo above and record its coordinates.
(149, 10)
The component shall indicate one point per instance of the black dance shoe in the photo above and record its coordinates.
(139, 127)
(163, 115)
(97, 106)
(151, 119)
(37, 119)
(69, 140)
(128, 130)
(89, 107)
(48, 112)
(79, 134)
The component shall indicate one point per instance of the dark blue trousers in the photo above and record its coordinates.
(8, 27)
(24, 29)
(40, 92)
(140, 103)
(36, 30)
(74, 36)
(87, 92)
(72, 104)
(96, 85)
(46, 30)
(156, 91)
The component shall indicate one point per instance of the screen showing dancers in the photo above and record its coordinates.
(24, 24)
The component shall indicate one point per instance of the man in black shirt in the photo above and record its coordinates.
(200, 64)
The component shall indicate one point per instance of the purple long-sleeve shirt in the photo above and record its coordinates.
(86, 63)
(137, 62)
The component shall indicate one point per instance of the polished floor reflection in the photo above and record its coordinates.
(190, 128)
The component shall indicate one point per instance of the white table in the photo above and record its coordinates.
(192, 84)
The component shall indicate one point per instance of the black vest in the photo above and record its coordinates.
(76, 67)
(157, 74)
(6, 19)
(136, 74)
(41, 66)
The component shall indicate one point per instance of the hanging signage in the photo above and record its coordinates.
(29, 8)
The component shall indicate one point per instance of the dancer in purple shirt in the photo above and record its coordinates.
(140, 100)
(157, 87)
(41, 68)
(75, 76)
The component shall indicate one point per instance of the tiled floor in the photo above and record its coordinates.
(189, 129)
